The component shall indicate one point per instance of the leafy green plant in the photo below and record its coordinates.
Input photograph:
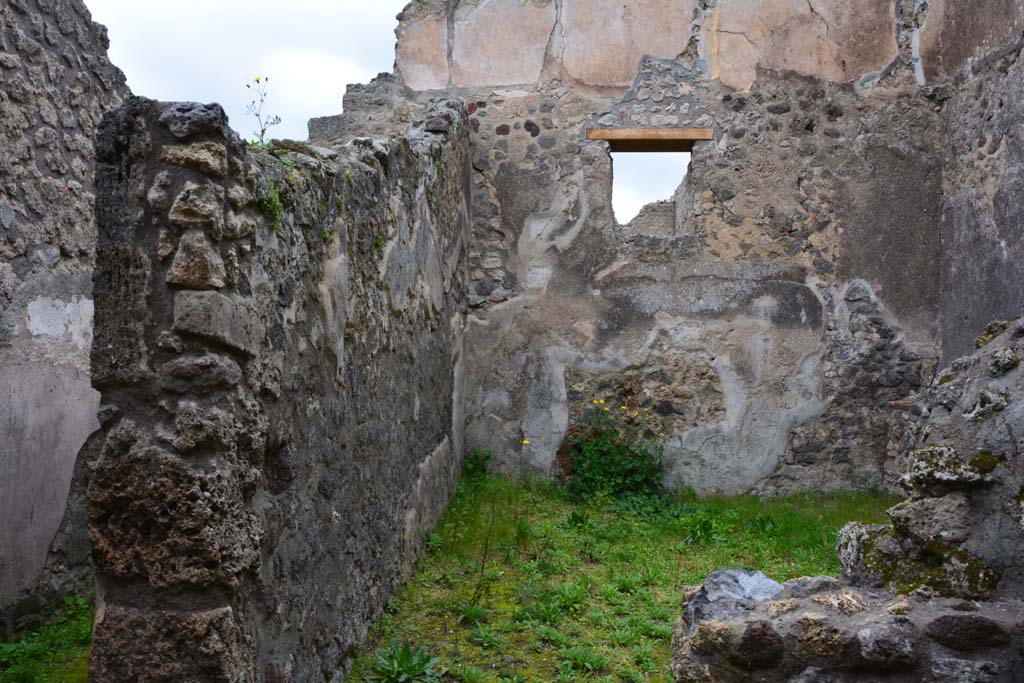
(652, 507)
(578, 519)
(468, 674)
(612, 454)
(260, 87)
(272, 207)
(764, 525)
(474, 463)
(643, 657)
(571, 596)
(405, 664)
(473, 613)
(485, 637)
(583, 659)
(625, 584)
(56, 652)
(701, 531)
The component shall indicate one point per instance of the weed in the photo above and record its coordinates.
(643, 657)
(625, 584)
(469, 674)
(701, 531)
(272, 207)
(538, 611)
(404, 664)
(485, 637)
(474, 463)
(478, 592)
(578, 519)
(473, 613)
(652, 507)
(260, 87)
(611, 456)
(764, 525)
(583, 659)
(571, 596)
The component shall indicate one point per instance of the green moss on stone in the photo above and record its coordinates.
(272, 207)
(942, 567)
(986, 461)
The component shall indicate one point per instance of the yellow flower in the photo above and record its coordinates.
(635, 413)
(607, 409)
(594, 401)
(601, 401)
(647, 410)
(526, 442)
(623, 407)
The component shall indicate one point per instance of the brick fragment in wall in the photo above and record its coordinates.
(229, 320)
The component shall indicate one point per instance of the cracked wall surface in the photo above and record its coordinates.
(780, 264)
(55, 84)
(279, 344)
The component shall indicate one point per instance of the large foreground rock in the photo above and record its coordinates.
(817, 630)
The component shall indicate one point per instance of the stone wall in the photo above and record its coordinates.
(776, 312)
(934, 596)
(279, 348)
(55, 84)
(982, 222)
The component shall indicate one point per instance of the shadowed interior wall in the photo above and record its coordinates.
(55, 84)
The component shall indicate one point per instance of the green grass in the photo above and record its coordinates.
(55, 653)
(520, 584)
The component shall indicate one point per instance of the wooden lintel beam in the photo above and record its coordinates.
(651, 139)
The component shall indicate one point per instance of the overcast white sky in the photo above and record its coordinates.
(207, 50)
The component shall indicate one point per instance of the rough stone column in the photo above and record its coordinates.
(170, 523)
(278, 345)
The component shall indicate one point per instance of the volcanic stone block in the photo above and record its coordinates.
(229, 320)
(154, 646)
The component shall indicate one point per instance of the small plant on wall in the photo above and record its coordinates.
(260, 87)
(614, 453)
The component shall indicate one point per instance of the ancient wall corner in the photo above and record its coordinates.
(273, 324)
